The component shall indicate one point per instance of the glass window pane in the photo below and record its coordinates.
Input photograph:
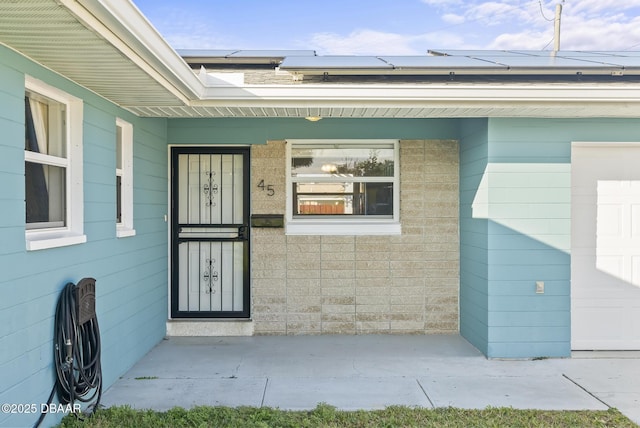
(118, 147)
(118, 199)
(45, 126)
(45, 187)
(346, 161)
(359, 198)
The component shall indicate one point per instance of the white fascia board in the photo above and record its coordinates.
(403, 93)
(548, 100)
(128, 30)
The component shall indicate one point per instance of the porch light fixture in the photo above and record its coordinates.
(313, 118)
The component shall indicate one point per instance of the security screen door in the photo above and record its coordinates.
(210, 233)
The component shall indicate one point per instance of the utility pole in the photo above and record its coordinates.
(556, 34)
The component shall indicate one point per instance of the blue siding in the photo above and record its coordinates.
(259, 131)
(529, 230)
(474, 263)
(515, 213)
(529, 240)
(526, 347)
(131, 272)
(515, 223)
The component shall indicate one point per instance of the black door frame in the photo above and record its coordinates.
(243, 235)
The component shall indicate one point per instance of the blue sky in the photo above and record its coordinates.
(400, 27)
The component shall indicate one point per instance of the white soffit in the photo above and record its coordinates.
(423, 100)
(50, 34)
(417, 111)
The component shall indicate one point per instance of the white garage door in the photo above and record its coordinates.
(605, 247)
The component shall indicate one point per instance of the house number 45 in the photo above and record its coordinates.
(267, 188)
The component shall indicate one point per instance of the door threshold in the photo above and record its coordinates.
(210, 327)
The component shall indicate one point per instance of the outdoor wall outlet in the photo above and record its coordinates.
(539, 287)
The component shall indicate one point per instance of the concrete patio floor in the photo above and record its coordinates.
(370, 372)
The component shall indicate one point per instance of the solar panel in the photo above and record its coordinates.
(439, 62)
(606, 59)
(271, 53)
(235, 57)
(620, 61)
(463, 52)
(564, 54)
(213, 53)
(545, 62)
(626, 62)
(621, 53)
(561, 60)
(334, 62)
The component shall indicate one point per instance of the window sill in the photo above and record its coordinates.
(315, 227)
(123, 232)
(44, 240)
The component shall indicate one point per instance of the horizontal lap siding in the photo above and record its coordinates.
(258, 131)
(473, 233)
(529, 239)
(529, 175)
(131, 273)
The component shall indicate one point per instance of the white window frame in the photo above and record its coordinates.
(73, 231)
(344, 225)
(125, 228)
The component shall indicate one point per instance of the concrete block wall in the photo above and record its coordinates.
(403, 284)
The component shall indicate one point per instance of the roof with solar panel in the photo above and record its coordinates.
(450, 63)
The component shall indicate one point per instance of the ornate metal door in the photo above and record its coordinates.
(210, 232)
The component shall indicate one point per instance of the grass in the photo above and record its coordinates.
(328, 416)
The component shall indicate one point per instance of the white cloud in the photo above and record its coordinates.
(586, 24)
(452, 18)
(184, 29)
(591, 7)
(464, 24)
(499, 13)
(445, 40)
(579, 31)
(534, 41)
(442, 3)
(362, 42)
(594, 34)
(371, 42)
(198, 41)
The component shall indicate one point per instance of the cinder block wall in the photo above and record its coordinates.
(406, 284)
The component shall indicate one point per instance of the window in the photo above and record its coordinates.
(124, 179)
(343, 187)
(53, 167)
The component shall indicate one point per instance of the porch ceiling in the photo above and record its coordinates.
(110, 48)
(460, 111)
(68, 37)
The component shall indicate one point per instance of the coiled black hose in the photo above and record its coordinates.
(76, 355)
